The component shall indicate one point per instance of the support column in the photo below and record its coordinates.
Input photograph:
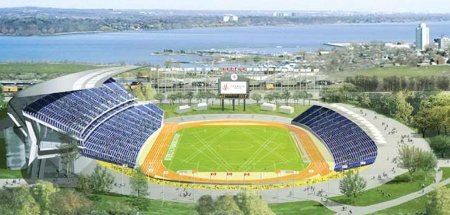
(33, 142)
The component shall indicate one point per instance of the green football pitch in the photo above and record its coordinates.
(233, 149)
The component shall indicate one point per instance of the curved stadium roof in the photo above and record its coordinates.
(75, 81)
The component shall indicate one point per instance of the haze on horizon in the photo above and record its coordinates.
(385, 6)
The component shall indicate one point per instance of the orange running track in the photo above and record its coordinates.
(153, 163)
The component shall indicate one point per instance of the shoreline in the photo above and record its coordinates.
(216, 27)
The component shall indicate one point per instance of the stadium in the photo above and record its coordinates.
(208, 153)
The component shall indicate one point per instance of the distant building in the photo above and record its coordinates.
(283, 14)
(441, 60)
(397, 45)
(422, 37)
(230, 17)
(444, 43)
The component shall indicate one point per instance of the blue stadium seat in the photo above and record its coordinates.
(109, 123)
(350, 146)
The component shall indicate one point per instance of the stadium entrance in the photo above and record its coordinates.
(233, 86)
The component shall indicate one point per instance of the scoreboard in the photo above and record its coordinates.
(233, 86)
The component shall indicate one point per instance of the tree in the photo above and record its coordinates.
(226, 205)
(441, 145)
(160, 97)
(413, 159)
(252, 204)
(439, 203)
(83, 184)
(423, 121)
(443, 83)
(402, 109)
(205, 205)
(297, 96)
(118, 208)
(276, 97)
(147, 91)
(42, 192)
(137, 92)
(189, 96)
(200, 96)
(434, 114)
(101, 180)
(17, 201)
(352, 185)
(138, 183)
(338, 93)
(286, 95)
(269, 97)
(210, 95)
(257, 97)
(308, 96)
(179, 96)
(172, 98)
(69, 202)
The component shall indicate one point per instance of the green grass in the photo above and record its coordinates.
(40, 71)
(239, 109)
(415, 206)
(406, 71)
(445, 172)
(394, 189)
(235, 148)
(11, 174)
(295, 208)
(44, 67)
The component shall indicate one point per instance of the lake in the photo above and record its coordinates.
(137, 47)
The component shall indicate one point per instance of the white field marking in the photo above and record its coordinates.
(173, 145)
(191, 156)
(268, 154)
(214, 152)
(201, 149)
(264, 146)
(254, 156)
(257, 152)
(273, 152)
(161, 149)
(202, 152)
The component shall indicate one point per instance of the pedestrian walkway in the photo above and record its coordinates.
(339, 208)
(444, 163)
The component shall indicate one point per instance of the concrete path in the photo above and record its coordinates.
(338, 208)
(444, 163)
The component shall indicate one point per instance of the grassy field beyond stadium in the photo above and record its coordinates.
(235, 149)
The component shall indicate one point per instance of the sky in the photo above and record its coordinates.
(415, 6)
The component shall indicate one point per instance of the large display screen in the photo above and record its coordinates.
(233, 87)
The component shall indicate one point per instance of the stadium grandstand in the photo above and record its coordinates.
(350, 146)
(107, 121)
(90, 107)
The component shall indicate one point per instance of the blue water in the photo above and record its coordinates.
(132, 47)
